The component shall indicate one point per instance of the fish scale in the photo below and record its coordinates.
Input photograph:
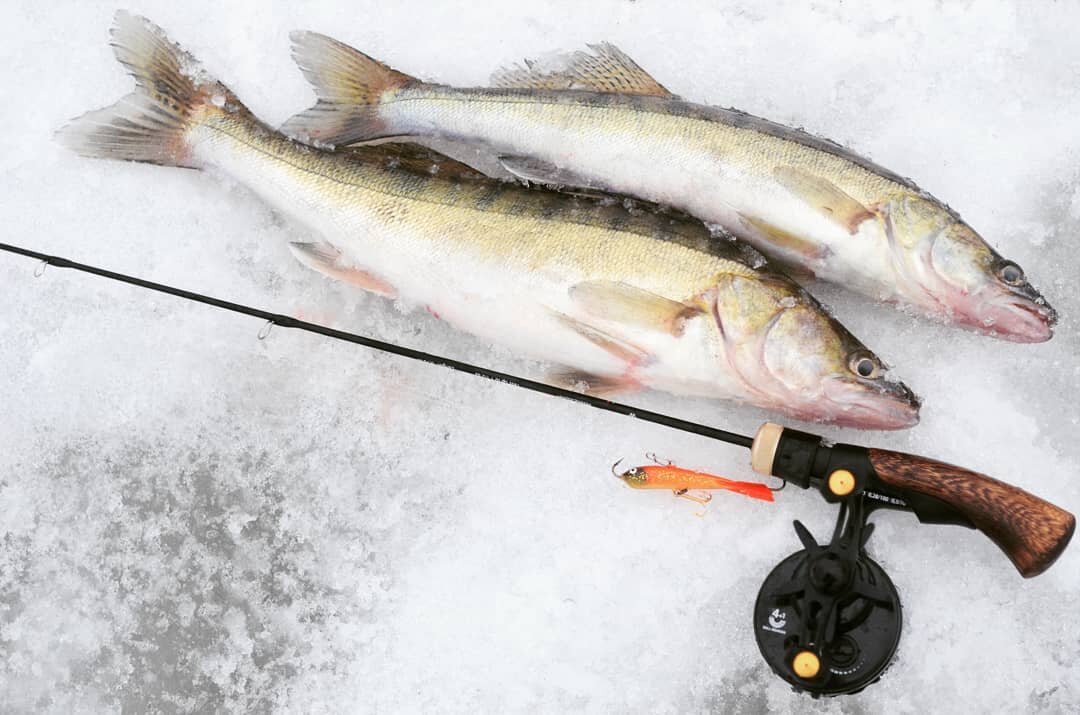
(619, 297)
(599, 121)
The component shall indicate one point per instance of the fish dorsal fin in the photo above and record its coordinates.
(608, 70)
(416, 158)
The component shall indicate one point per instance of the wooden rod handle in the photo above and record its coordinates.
(1032, 532)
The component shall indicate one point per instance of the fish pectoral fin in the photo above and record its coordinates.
(825, 196)
(590, 384)
(624, 303)
(607, 70)
(538, 171)
(326, 259)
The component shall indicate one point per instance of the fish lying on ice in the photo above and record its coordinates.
(598, 120)
(622, 299)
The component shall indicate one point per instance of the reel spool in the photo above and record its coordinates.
(827, 619)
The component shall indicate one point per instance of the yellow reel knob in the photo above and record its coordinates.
(841, 482)
(806, 665)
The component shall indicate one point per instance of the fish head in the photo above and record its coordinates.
(960, 278)
(792, 355)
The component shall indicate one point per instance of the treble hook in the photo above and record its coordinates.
(701, 498)
(39, 270)
(615, 465)
(655, 460)
(265, 332)
(783, 483)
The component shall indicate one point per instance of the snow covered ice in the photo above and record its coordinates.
(193, 519)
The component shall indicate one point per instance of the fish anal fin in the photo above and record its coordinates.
(326, 259)
(538, 171)
(624, 303)
(590, 384)
(825, 196)
(607, 69)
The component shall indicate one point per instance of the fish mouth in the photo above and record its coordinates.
(873, 405)
(1029, 321)
(1021, 316)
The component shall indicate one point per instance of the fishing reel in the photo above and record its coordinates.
(827, 619)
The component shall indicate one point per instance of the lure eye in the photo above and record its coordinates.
(865, 366)
(1011, 274)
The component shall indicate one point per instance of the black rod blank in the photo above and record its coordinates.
(286, 321)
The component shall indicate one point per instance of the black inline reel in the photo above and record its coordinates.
(827, 619)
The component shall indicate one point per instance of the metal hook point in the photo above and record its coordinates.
(615, 465)
(39, 270)
(266, 330)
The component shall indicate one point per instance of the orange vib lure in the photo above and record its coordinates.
(684, 482)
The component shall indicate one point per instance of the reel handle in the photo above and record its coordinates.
(1032, 532)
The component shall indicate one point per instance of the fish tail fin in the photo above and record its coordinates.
(349, 86)
(152, 123)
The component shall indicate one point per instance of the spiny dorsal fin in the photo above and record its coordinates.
(608, 70)
(415, 158)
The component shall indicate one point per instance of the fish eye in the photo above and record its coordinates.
(1011, 274)
(865, 366)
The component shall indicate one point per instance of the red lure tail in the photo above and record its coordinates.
(752, 490)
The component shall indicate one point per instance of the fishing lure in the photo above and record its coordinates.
(687, 483)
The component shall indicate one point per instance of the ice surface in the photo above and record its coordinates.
(194, 519)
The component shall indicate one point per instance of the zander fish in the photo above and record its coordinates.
(623, 299)
(599, 121)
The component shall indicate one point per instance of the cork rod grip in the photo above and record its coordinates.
(1030, 531)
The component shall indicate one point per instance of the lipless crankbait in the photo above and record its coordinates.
(687, 483)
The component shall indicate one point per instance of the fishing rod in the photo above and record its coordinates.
(827, 619)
